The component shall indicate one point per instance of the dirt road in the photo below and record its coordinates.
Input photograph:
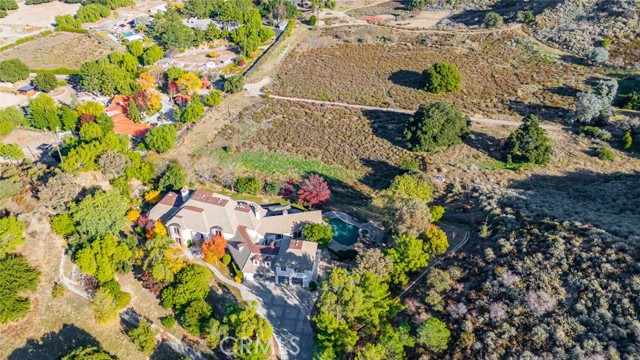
(476, 119)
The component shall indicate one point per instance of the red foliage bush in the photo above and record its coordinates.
(87, 118)
(314, 191)
(151, 284)
(205, 83)
(287, 189)
(172, 88)
(145, 222)
(141, 100)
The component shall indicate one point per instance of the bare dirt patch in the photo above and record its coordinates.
(424, 20)
(10, 99)
(355, 4)
(30, 19)
(57, 50)
(41, 15)
(396, 8)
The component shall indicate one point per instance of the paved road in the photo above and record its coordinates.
(476, 119)
(289, 311)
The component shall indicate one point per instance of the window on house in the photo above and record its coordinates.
(175, 231)
(283, 269)
(267, 263)
(256, 262)
(297, 234)
(299, 271)
(278, 236)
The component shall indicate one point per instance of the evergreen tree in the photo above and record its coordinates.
(173, 178)
(627, 140)
(529, 143)
(435, 126)
(133, 112)
(161, 138)
(434, 334)
(442, 77)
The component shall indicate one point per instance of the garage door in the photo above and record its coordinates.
(270, 278)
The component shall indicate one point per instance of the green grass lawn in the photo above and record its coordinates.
(286, 164)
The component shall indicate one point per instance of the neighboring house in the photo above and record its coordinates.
(196, 23)
(160, 9)
(264, 241)
(117, 111)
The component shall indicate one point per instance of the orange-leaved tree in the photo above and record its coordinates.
(213, 249)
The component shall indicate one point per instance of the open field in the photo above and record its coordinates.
(360, 151)
(58, 50)
(30, 19)
(348, 138)
(502, 73)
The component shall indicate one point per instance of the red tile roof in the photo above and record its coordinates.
(209, 198)
(122, 123)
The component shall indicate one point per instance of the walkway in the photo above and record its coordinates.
(71, 284)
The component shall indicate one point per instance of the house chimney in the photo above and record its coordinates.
(184, 192)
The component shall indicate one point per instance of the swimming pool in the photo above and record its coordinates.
(344, 233)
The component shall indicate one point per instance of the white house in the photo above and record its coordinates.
(264, 241)
(160, 9)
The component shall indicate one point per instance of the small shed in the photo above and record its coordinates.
(282, 25)
(27, 90)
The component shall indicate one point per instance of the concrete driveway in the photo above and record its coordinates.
(288, 309)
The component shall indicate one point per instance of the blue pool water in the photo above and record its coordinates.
(345, 234)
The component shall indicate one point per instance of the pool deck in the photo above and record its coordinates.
(376, 233)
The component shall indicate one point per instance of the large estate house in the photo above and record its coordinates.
(264, 241)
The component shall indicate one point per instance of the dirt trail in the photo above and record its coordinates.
(477, 119)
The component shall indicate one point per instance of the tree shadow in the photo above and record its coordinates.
(407, 78)
(380, 175)
(568, 91)
(572, 59)
(388, 125)
(550, 113)
(607, 201)
(484, 143)
(54, 345)
(163, 351)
